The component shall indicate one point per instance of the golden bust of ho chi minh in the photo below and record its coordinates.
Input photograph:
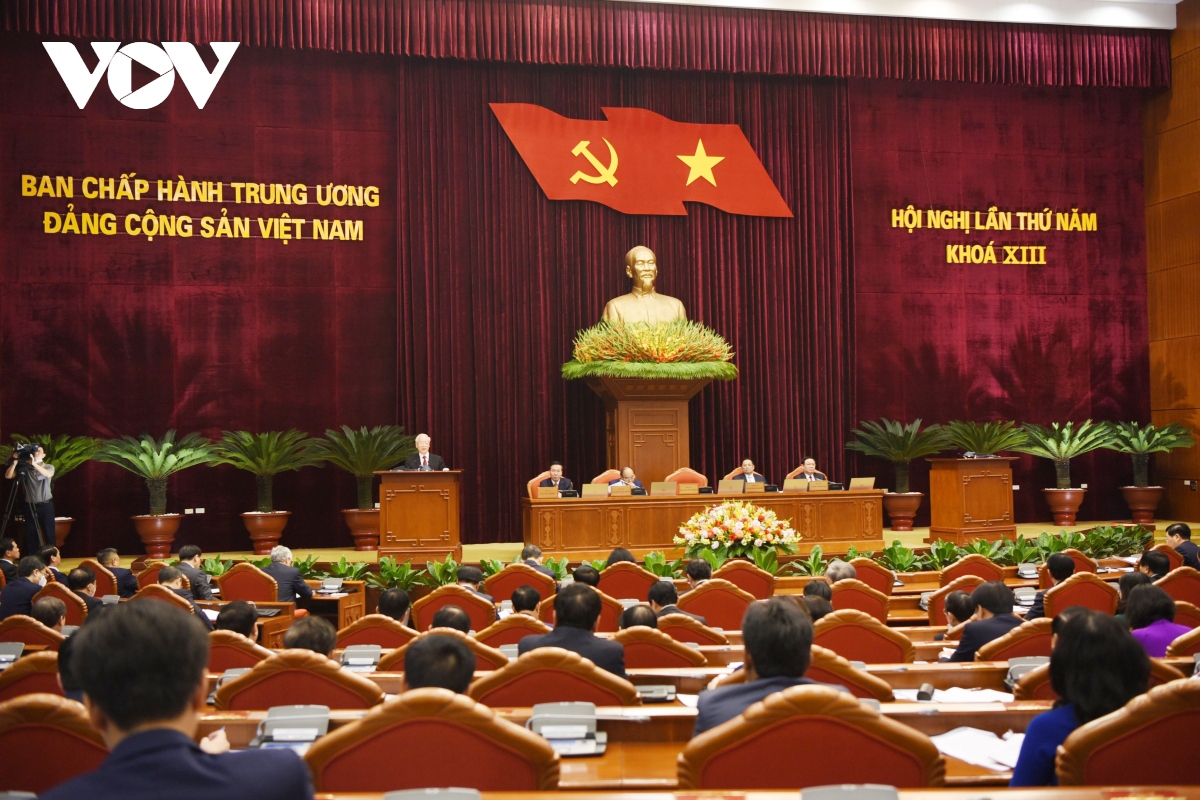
(643, 304)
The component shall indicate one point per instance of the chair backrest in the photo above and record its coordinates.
(552, 675)
(1030, 638)
(794, 473)
(1187, 614)
(1171, 553)
(156, 591)
(20, 628)
(973, 564)
(486, 658)
(937, 601)
(683, 628)
(531, 486)
(501, 585)
(481, 612)
(449, 731)
(106, 582)
(55, 728)
(76, 607)
(297, 676)
(1082, 589)
(733, 473)
(874, 574)
(626, 581)
(244, 581)
(1182, 583)
(608, 476)
(857, 636)
(720, 603)
(828, 667)
(511, 630)
(747, 577)
(32, 674)
(1186, 645)
(610, 612)
(229, 650)
(687, 475)
(853, 593)
(149, 574)
(647, 648)
(1127, 746)
(1035, 684)
(841, 737)
(377, 629)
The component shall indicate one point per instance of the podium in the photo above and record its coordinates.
(970, 498)
(419, 514)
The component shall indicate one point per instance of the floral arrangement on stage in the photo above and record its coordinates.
(736, 528)
(682, 350)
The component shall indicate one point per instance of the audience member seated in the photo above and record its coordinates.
(817, 606)
(698, 571)
(620, 554)
(291, 583)
(576, 611)
(663, 597)
(839, 570)
(556, 480)
(525, 600)
(50, 556)
(748, 474)
(1150, 614)
(311, 633)
(451, 616)
(638, 615)
(1126, 584)
(1059, 567)
(1154, 564)
(10, 554)
(441, 662)
(17, 596)
(82, 581)
(1179, 536)
(190, 558)
(959, 609)
(239, 617)
(394, 603)
(142, 669)
(172, 578)
(127, 585)
(51, 612)
(1095, 668)
(531, 556)
(470, 577)
(819, 588)
(587, 574)
(993, 618)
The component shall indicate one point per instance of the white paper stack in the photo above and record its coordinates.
(981, 748)
(957, 695)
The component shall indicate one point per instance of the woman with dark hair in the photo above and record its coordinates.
(1096, 667)
(618, 555)
(1150, 613)
(1128, 582)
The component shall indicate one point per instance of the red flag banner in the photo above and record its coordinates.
(639, 162)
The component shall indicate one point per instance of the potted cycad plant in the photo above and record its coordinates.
(899, 444)
(1060, 443)
(265, 455)
(983, 438)
(362, 453)
(1139, 441)
(65, 454)
(154, 461)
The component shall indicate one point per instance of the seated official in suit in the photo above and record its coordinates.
(469, 578)
(238, 616)
(819, 588)
(440, 662)
(1096, 667)
(142, 669)
(395, 603)
(291, 583)
(748, 474)
(663, 597)
(628, 478)
(172, 578)
(17, 597)
(451, 616)
(959, 609)
(839, 570)
(556, 478)
(127, 584)
(1127, 583)
(51, 612)
(778, 636)
(1059, 566)
(10, 554)
(576, 612)
(50, 556)
(637, 615)
(82, 581)
(993, 618)
(818, 606)
(423, 459)
(311, 633)
(697, 571)
(1179, 536)
(1150, 613)
(531, 556)
(587, 574)
(1154, 564)
(525, 600)
(810, 471)
(189, 565)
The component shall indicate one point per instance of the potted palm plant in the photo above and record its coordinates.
(362, 453)
(65, 454)
(154, 461)
(265, 455)
(1060, 443)
(899, 444)
(1139, 441)
(983, 438)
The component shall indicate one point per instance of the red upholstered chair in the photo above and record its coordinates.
(973, 564)
(486, 658)
(1126, 747)
(511, 630)
(106, 582)
(841, 737)
(732, 473)
(458, 741)
(32, 674)
(76, 607)
(1030, 638)
(626, 581)
(501, 585)
(874, 574)
(149, 575)
(3, 582)
(1186, 645)
(608, 476)
(56, 738)
(1035, 684)
(377, 629)
(647, 648)
(20, 628)
(1083, 563)
(1082, 589)
(610, 612)
(297, 676)
(828, 667)
(481, 612)
(552, 675)
(244, 581)
(156, 591)
(794, 473)
(686, 475)
(747, 577)
(683, 628)
(1187, 614)
(229, 650)
(720, 603)
(1171, 553)
(1182, 583)
(853, 593)
(857, 636)
(937, 600)
(532, 486)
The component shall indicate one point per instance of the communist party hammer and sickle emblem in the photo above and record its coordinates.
(607, 174)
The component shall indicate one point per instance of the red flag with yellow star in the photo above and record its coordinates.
(639, 162)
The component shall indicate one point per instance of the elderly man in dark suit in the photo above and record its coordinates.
(17, 597)
(993, 619)
(291, 583)
(127, 585)
(82, 581)
(423, 459)
(576, 611)
(531, 556)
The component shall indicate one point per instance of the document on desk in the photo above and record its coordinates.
(958, 695)
(689, 700)
(981, 748)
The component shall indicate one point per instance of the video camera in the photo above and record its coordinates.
(25, 453)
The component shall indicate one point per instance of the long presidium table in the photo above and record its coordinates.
(592, 527)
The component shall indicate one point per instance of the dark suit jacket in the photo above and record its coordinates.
(976, 634)
(58, 576)
(542, 569)
(92, 603)
(674, 609)
(9, 569)
(291, 585)
(201, 588)
(161, 763)
(17, 598)
(817, 476)
(435, 462)
(1038, 609)
(1190, 553)
(564, 484)
(605, 654)
(487, 597)
(724, 703)
(186, 595)
(758, 478)
(126, 581)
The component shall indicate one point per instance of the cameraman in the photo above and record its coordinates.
(39, 505)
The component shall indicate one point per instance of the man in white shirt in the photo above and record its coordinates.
(810, 472)
(748, 474)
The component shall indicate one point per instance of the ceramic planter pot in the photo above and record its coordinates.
(157, 532)
(1142, 502)
(364, 527)
(62, 528)
(266, 528)
(902, 508)
(1064, 504)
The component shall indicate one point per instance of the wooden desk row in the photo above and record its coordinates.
(1039, 793)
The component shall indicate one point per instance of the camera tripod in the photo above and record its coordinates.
(11, 504)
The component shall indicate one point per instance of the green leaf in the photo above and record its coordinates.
(393, 575)
(441, 573)
(898, 558)
(765, 559)
(1062, 442)
(558, 567)
(364, 452)
(490, 566)
(153, 459)
(266, 453)
(986, 438)
(64, 453)
(1130, 437)
(308, 569)
(895, 442)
